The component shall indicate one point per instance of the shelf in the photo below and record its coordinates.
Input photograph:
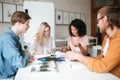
(92, 40)
(61, 42)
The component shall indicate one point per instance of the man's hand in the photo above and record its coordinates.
(72, 55)
(31, 58)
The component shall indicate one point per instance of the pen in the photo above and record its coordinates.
(69, 63)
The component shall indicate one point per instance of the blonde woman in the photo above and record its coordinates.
(42, 43)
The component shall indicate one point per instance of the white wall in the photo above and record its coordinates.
(78, 6)
(61, 31)
(39, 12)
(3, 27)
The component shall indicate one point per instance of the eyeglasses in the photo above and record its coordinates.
(100, 18)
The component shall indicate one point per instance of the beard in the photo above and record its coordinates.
(102, 31)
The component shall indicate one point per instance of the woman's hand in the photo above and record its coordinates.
(52, 51)
(62, 48)
(34, 52)
(77, 44)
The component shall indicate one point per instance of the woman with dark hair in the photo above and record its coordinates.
(78, 40)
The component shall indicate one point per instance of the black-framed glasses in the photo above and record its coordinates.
(100, 18)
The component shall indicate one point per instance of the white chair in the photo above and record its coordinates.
(94, 51)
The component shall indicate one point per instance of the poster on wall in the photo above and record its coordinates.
(39, 12)
(0, 12)
(72, 17)
(58, 17)
(77, 15)
(83, 17)
(19, 8)
(65, 18)
(8, 10)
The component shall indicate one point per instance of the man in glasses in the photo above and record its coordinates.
(109, 60)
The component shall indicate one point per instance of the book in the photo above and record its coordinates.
(47, 66)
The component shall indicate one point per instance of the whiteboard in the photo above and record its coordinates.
(39, 12)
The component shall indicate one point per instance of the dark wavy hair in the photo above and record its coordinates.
(79, 25)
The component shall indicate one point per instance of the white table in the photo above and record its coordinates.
(66, 71)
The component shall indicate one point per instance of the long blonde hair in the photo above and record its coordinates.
(40, 34)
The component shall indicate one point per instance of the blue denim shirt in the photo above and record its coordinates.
(11, 54)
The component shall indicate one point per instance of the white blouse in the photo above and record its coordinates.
(81, 40)
(48, 44)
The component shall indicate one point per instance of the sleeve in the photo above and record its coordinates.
(107, 63)
(13, 55)
(53, 42)
(85, 41)
(69, 39)
(33, 46)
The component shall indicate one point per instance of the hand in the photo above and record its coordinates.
(31, 58)
(72, 55)
(76, 45)
(62, 48)
(26, 52)
(52, 51)
(38, 52)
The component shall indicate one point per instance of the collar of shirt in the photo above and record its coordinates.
(14, 36)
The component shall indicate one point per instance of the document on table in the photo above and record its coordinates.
(59, 54)
(41, 56)
(48, 66)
